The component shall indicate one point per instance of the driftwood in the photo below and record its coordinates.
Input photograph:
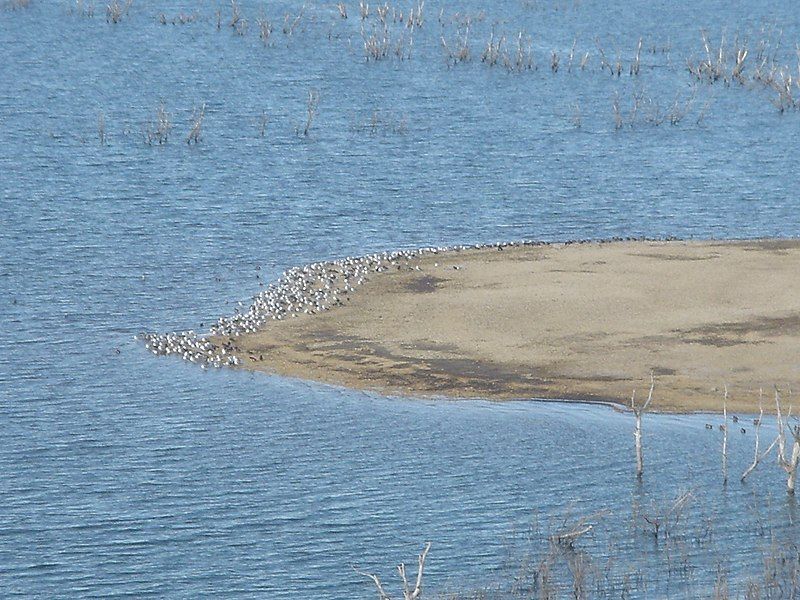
(408, 592)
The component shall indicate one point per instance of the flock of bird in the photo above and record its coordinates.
(735, 419)
(309, 289)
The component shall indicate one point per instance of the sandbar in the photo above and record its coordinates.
(576, 321)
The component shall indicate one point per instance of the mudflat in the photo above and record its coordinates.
(583, 321)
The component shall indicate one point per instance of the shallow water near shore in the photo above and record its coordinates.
(123, 474)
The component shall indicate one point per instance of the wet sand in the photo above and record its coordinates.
(586, 322)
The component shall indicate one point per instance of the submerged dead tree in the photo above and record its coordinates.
(638, 411)
(759, 456)
(409, 593)
(787, 462)
(197, 126)
(570, 531)
(662, 520)
(725, 437)
(311, 110)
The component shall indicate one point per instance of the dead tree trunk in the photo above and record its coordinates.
(637, 431)
(791, 468)
(788, 463)
(725, 437)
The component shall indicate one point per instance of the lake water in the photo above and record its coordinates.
(122, 474)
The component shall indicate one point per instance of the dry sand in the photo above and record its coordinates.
(577, 322)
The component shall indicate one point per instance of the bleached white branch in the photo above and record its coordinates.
(650, 393)
(376, 581)
(759, 456)
(725, 437)
(408, 593)
(421, 562)
(787, 463)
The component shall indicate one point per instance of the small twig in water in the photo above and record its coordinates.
(101, 128)
(197, 125)
(311, 110)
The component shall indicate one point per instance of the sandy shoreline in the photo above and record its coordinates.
(562, 321)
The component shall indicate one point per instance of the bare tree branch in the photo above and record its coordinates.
(401, 568)
(421, 561)
(650, 393)
(669, 516)
(790, 463)
(758, 457)
(383, 594)
(570, 532)
(408, 593)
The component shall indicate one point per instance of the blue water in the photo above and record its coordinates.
(122, 474)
